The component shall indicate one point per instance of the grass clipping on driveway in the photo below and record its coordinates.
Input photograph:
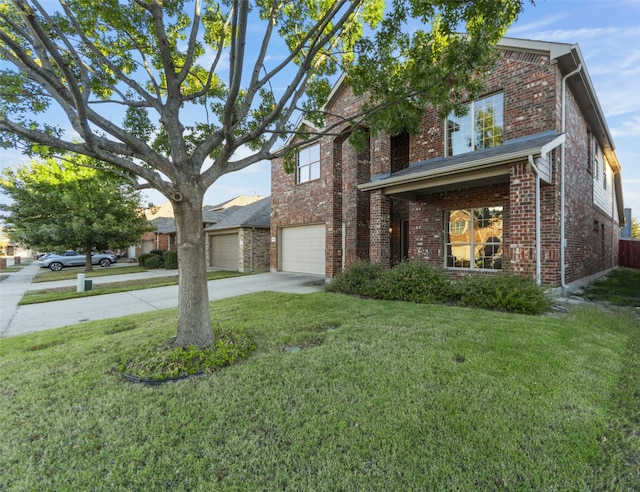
(341, 394)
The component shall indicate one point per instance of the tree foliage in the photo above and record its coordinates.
(57, 206)
(182, 92)
(635, 228)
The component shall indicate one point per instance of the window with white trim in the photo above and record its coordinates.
(474, 238)
(308, 163)
(481, 127)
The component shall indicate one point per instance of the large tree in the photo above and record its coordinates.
(182, 92)
(61, 205)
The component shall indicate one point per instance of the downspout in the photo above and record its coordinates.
(538, 248)
(563, 284)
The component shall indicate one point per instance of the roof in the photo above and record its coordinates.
(213, 213)
(161, 216)
(485, 166)
(164, 225)
(256, 214)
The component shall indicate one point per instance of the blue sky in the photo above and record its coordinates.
(608, 33)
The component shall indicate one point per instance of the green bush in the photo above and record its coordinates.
(359, 278)
(142, 259)
(414, 281)
(153, 262)
(505, 292)
(157, 252)
(170, 259)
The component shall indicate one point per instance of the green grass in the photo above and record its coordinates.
(620, 287)
(62, 293)
(341, 394)
(46, 275)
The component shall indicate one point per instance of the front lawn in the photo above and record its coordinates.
(341, 394)
(62, 293)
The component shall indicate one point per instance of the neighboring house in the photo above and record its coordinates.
(234, 230)
(239, 238)
(527, 182)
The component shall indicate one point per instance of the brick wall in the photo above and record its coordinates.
(254, 250)
(532, 104)
(428, 227)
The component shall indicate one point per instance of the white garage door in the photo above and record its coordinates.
(224, 251)
(303, 249)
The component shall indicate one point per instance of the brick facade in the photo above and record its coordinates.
(377, 226)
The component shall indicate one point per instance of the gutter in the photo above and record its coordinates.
(563, 239)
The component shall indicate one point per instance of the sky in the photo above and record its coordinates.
(608, 34)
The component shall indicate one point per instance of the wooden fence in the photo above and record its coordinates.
(629, 253)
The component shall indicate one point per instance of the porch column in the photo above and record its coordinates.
(521, 241)
(380, 245)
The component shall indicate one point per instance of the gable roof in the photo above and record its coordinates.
(161, 216)
(214, 213)
(256, 214)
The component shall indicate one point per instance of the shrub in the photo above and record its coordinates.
(142, 259)
(505, 292)
(157, 252)
(359, 278)
(170, 259)
(153, 262)
(413, 281)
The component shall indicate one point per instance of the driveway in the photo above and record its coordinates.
(15, 320)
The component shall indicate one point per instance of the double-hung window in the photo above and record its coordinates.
(474, 238)
(308, 165)
(480, 128)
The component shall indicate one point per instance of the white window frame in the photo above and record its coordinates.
(308, 163)
(469, 124)
(478, 257)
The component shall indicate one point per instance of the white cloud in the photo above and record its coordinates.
(629, 128)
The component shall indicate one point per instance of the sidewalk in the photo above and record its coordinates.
(15, 320)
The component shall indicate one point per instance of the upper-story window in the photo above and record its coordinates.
(482, 127)
(308, 165)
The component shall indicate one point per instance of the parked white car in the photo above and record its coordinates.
(56, 263)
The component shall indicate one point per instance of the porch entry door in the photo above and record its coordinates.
(404, 239)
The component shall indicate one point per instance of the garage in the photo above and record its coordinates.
(303, 249)
(223, 251)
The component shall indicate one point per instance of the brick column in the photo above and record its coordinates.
(380, 246)
(521, 243)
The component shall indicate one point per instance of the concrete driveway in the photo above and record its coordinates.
(15, 320)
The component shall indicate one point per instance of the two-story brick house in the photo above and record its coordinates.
(527, 181)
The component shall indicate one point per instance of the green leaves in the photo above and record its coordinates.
(59, 206)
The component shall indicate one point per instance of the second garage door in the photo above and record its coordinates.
(224, 251)
(303, 249)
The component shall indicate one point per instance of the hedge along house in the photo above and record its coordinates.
(527, 182)
(238, 238)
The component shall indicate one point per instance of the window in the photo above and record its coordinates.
(480, 128)
(474, 238)
(597, 159)
(308, 165)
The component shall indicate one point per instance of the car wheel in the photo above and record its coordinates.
(56, 266)
(105, 262)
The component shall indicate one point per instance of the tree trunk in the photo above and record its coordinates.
(194, 320)
(88, 266)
